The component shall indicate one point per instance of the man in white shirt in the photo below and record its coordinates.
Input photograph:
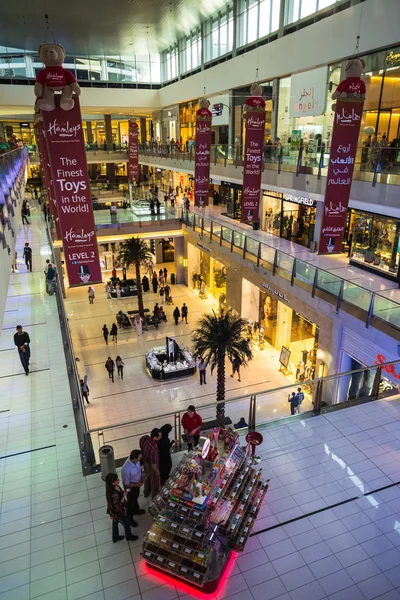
(133, 479)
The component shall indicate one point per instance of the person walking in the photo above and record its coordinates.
(105, 333)
(85, 390)
(118, 290)
(51, 277)
(176, 315)
(165, 274)
(110, 366)
(167, 292)
(117, 508)
(22, 341)
(91, 295)
(164, 451)
(28, 256)
(154, 282)
(191, 423)
(184, 313)
(162, 294)
(120, 366)
(108, 291)
(133, 479)
(236, 367)
(293, 403)
(24, 214)
(300, 398)
(202, 370)
(149, 448)
(114, 333)
(46, 267)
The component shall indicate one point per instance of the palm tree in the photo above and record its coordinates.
(134, 250)
(217, 336)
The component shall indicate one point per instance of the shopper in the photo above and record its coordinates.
(154, 282)
(51, 277)
(176, 315)
(149, 448)
(241, 424)
(46, 266)
(162, 294)
(116, 508)
(293, 403)
(24, 214)
(118, 290)
(108, 291)
(28, 256)
(139, 324)
(105, 333)
(133, 479)
(110, 366)
(184, 313)
(114, 333)
(164, 451)
(120, 366)
(300, 398)
(191, 423)
(114, 273)
(236, 367)
(85, 390)
(91, 295)
(165, 274)
(202, 370)
(167, 292)
(22, 341)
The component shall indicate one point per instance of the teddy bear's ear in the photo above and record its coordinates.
(62, 48)
(362, 61)
(348, 65)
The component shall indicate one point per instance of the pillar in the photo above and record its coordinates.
(89, 132)
(180, 259)
(318, 221)
(108, 131)
(142, 125)
(284, 326)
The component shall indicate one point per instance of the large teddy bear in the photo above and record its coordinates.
(54, 78)
(353, 85)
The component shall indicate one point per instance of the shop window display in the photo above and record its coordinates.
(290, 217)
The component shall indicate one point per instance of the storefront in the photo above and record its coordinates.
(203, 267)
(372, 242)
(187, 121)
(289, 216)
(231, 195)
(274, 323)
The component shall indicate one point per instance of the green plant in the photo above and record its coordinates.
(134, 250)
(219, 336)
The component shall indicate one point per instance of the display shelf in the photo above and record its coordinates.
(194, 543)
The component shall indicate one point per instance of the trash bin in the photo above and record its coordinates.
(173, 278)
(107, 462)
(256, 225)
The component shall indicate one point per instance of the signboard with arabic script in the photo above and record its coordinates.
(308, 93)
(253, 157)
(346, 128)
(202, 157)
(133, 165)
(66, 148)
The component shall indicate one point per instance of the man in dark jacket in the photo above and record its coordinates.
(28, 256)
(22, 341)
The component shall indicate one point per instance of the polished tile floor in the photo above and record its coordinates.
(324, 531)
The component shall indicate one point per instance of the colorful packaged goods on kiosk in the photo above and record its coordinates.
(206, 510)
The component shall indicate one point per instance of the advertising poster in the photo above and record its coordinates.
(202, 157)
(268, 317)
(133, 164)
(253, 158)
(46, 173)
(308, 93)
(346, 128)
(66, 148)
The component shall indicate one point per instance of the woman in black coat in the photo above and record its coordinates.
(164, 451)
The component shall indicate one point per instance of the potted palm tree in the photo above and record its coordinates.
(219, 336)
(135, 250)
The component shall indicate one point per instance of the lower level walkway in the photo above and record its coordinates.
(329, 527)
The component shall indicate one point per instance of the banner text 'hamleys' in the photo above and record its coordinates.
(253, 156)
(46, 175)
(66, 148)
(133, 164)
(202, 156)
(346, 128)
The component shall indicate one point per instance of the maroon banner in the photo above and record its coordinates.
(253, 158)
(66, 147)
(346, 129)
(46, 175)
(202, 157)
(133, 164)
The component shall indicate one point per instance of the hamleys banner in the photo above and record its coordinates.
(66, 148)
(133, 164)
(202, 157)
(253, 157)
(346, 128)
(46, 174)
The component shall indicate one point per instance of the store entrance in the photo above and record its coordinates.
(292, 220)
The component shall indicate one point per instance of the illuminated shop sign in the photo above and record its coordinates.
(275, 292)
(393, 58)
(217, 110)
(204, 248)
(299, 200)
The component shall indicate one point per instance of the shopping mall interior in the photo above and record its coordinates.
(281, 498)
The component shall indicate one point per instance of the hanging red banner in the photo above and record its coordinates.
(46, 175)
(202, 156)
(253, 158)
(66, 148)
(133, 164)
(346, 129)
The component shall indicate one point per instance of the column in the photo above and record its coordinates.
(275, 102)
(284, 326)
(180, 261)
(108, 131)
(142, 125)
(89, 132)
(318, 221)
(103, 64)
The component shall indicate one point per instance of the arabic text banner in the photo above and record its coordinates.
(202, 157)
(253, 157)
(346, 128)
(66, 148)
(133, 165)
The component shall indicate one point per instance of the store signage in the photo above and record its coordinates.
(204, 248)
(24, 125)
(217, 109)
(133, 165)
(346, 128)
(381, 360)
(299, 200)
(46, 175)
(308, 93)
(392, 58)
(234, 186)
(202, 157)
(253, 158)
(66, 150)
(275, 292)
